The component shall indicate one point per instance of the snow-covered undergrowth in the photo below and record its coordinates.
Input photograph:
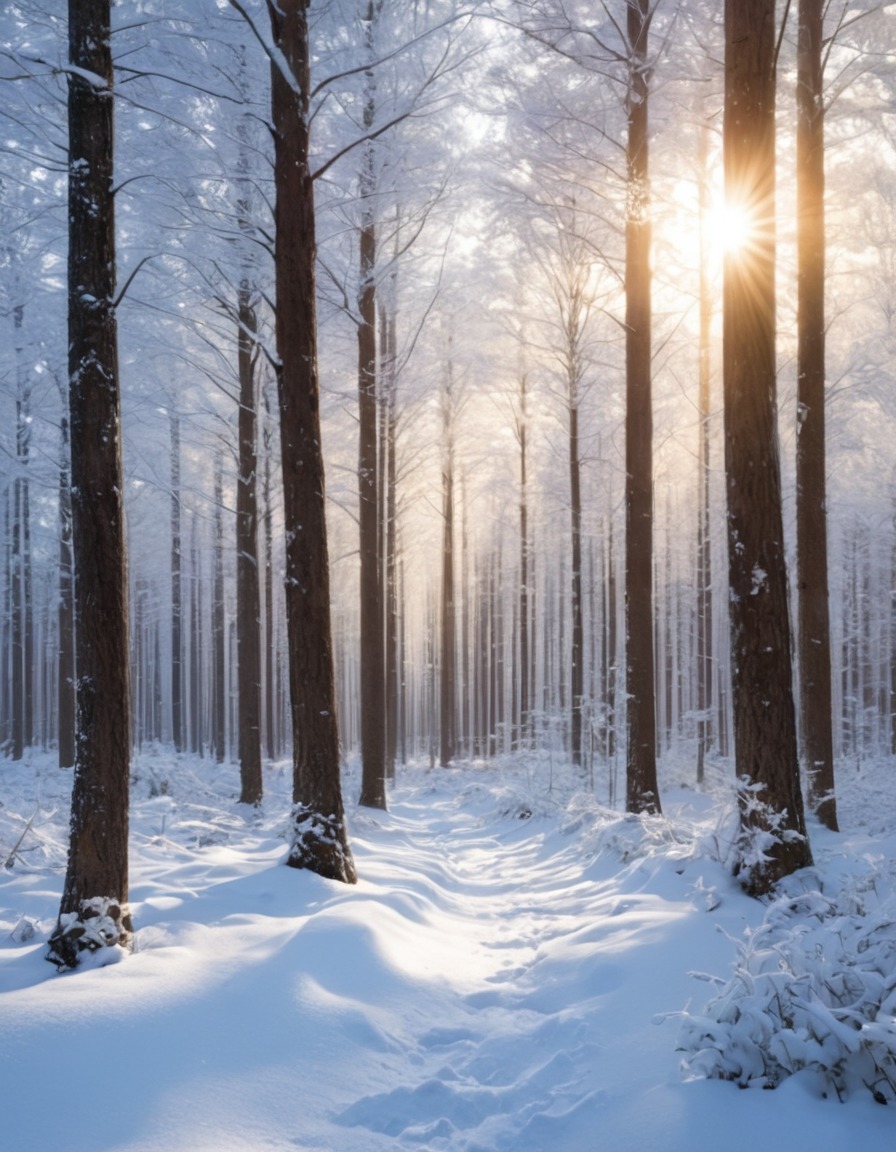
(814, 989)
(513, 972)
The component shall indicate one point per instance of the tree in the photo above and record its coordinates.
(642, 793)
(319, 839)
(372, 687)
(704, 544)
(814, 632)
(65, 681)
(248, 597)
(93, 912)
(248, 606)
(447, 613)
(219, 672)
(764, 720)
(177, 644)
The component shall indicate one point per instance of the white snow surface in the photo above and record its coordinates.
(509, 974)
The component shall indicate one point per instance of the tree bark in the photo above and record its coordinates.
(248, 602)
(522, 423)
(704, 549)
(272, 743)
(177, 643)
(642, 792)
(764, 720)
(197, 726)
(814, 633)
(576, 652)
(390, 536)
(448, 661)
(219, 676)
(319, 840)
(93, 911)
(66, 613)
(373, 699)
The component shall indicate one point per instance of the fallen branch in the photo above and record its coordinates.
(10, 859)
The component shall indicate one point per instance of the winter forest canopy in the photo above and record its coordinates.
(573, 505)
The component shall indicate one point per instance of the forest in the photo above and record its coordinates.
(501, 387)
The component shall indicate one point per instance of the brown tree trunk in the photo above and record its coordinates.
(814, 633)
(642, 792)
(93, 911)
(525, 680)
(390, 537)
(704, 551)
(197, 726)
(177, 643)
(18, 597)
(66, 614)
(373, 697)
(248, 604)
(219, 677)
(448, 660)
(576, 653)
(764, 720)
(272, 743)
(320, 840)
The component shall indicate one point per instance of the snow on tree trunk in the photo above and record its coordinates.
(320, 840)
(764, 721)
(93, 911)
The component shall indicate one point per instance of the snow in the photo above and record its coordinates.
(512, 972)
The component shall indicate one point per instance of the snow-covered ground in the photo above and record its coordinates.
(509, 975)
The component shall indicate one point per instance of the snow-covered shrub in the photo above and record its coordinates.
(814, 988)
(746, 834)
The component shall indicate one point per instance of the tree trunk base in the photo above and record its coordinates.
(373, 798)
(100, 923)
(320, 844)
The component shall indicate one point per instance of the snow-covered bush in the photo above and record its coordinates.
(746, 835)
(814, 989)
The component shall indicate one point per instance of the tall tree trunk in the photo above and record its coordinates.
(248, 604)
(93, 910)
(814, 632)
(219, 675)
(612, 646)
(576, 652)
(319, 839)
(390, 535)
(892, 630)
(17, 626)
(448, 661)
(704, 550)
(18, 621)
(272, 743)
(66, 612)
(522, 426)
(642, 792)
(23, 438)
(177, 643)
(764, 719)
(373, 702)
(196, 662)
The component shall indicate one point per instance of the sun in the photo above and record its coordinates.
(730, 229)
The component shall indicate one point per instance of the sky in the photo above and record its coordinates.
(512, 971)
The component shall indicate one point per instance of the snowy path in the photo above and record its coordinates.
(491, 985)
